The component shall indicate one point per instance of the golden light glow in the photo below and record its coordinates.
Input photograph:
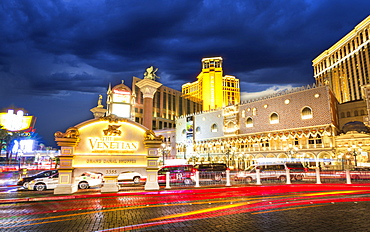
(202, 211)
(137, 160)
(107, 137)
(211, 85)
(15, 122)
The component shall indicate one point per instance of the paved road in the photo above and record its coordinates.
(250, 208)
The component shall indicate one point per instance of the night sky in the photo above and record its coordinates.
(56, 57)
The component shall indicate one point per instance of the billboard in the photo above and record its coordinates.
(189, 129)
(15, 121)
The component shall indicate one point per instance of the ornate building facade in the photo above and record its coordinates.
(297, 125)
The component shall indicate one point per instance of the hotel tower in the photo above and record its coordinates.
(345, 66)
(212, 88)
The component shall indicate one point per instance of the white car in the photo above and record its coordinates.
(41, 184)
(130, 176)
(85, 181)
(273, 171)
(90, 179)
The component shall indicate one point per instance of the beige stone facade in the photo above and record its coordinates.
(298, 125)
(351, 112)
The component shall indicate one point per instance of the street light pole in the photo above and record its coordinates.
(290, 151)
(228, 156)
(354, 153)
(163, 150)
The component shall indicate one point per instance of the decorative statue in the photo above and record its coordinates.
(99, 101)
(71, 132)
(150, 135)
(150, 73)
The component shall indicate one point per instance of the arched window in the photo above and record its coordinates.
(314, 140)
(243, 114)
(197, 130)
(214, 128)
(306, 113)
(249, 122)
(342, 115)
(254, 111)
(355, 113)
(274, 118)
(183, 131)
(348, 114)
(362, 112)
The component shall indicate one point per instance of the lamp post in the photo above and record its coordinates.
(354, 152)
(164, 148)
(227, 151)
(341, 156)
(290, 151)
(348, 159)
(227, 148)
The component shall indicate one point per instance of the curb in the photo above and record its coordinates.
(171, 191)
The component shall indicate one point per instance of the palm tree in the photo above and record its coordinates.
(3, 137)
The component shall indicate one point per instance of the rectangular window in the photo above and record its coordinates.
(164, 100)
(160, 125)
(154, 125)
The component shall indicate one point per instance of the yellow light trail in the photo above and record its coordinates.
(203, 211)
(107, 210)
(277, 210)
(333, 193)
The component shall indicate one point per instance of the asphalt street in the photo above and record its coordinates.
(296, 207)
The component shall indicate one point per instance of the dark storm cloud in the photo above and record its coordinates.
(127, 36)
(66, 49)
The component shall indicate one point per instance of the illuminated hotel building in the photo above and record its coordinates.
(345, 66)
(168, 104)
(213, 88)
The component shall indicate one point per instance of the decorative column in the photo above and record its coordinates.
(67, 141)
(152, 142)
(148, 87)
(110, 184)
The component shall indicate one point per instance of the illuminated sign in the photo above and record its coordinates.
(139, 160)
(15, 122)
(122, 92)
(108, 144)
(24, 146)
(114, 138)
(121, 110)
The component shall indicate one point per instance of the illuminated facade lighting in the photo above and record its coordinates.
(345, 66)
(213, 88)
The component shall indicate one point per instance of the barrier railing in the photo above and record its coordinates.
(260, 177)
